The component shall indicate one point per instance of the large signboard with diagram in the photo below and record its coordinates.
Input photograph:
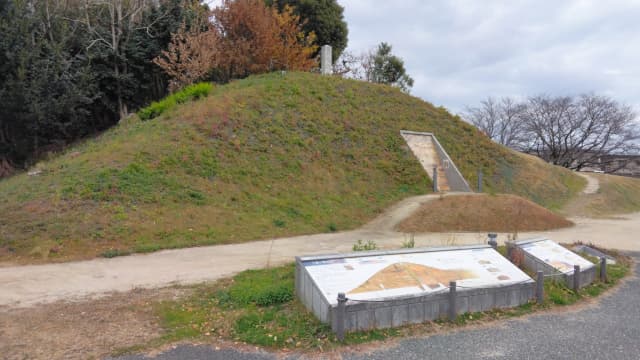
(380, 276)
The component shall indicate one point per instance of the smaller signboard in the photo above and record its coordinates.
(558, 257)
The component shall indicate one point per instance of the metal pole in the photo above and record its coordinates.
(342, 300)
(452, 301)
(603, 269)
(576, 278)
(435, 179)
(540, 287)
(479, 181)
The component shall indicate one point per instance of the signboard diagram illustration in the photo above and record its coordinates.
(555, 255)
(541, 254)
(403, 275)
(383, 276)
(393, 288)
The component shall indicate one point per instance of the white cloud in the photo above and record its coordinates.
(460, 52)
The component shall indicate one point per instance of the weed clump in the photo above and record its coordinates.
(192, 92)
(368, 246)
(409, 243)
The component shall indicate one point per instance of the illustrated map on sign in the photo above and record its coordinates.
(382, 276)
(402, 275)
(555, 255)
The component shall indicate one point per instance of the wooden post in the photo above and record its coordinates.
(342, 300)
(540, 287)
(603, 269)
(510, 246)
(452, 301)
(576, 278)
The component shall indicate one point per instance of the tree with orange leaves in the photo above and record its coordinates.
(190, 57)
(245, 37)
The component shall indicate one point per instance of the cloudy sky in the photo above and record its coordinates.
(460, 52)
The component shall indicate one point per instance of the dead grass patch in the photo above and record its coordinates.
(82, 330)
(499, 213)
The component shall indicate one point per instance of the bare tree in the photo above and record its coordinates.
(377, 65)
(349, 65)
(500, 120)
(574, 132)
(578, 132)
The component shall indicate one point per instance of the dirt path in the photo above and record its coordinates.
(82, 330)
(593, 185)
(23, 286)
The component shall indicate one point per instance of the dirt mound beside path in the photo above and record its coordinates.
(497, 213)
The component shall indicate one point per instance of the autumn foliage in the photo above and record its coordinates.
(190, 57)
(244, 37)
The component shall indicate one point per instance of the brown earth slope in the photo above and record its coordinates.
(500, 213)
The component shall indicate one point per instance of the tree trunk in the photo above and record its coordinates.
(5, 167)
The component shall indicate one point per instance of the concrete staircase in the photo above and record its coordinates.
(443, 184)
(430, 155)
(424, 149)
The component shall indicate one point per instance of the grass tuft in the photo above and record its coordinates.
(191, 92)
(261, 287)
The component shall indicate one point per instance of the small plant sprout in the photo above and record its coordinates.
(451, 240)
(368, 246)
(409, 242)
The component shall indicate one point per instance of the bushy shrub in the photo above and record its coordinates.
(191, 92)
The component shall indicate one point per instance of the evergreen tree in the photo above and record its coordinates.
(385, 68)
(323, 17)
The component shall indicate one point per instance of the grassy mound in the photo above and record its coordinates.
(263, 157)
(616, 195)
(501, 213)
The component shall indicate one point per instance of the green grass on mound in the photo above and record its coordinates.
(189, 93)
(268, 156)
(616, 195)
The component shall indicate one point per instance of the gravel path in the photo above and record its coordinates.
(609, 329)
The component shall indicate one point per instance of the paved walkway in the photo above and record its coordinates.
(606, 330)
(23, 286)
